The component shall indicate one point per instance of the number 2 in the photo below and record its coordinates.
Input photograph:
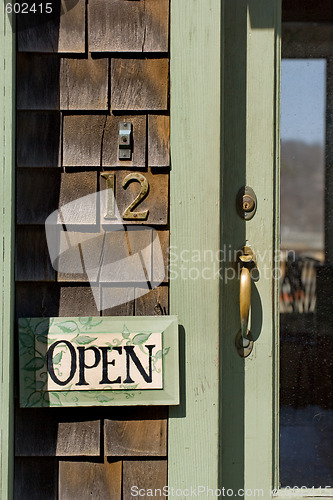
(128, 214)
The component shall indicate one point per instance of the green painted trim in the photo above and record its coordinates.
(7, 117)
(193, 448)
(276, 243)
(250, 157)
(36, 334)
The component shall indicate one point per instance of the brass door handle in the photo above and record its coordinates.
(244, 299)
(244, 340)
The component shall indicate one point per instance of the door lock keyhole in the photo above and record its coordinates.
(246, 203)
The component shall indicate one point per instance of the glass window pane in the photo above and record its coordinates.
(306, 333)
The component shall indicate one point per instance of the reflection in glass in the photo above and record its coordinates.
(306, 333)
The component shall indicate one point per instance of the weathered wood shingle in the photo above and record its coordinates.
(82, 140)
(80, 260)
(78, 301)
(37, 194)
(38, 139)
(36, 479)
(143, 434)
(155, 302)
(77, 198)
(139, 84)
(127, 26)
(35, 299)
(90, 480)
(127, 256)
(144, 474)
(38, 81)
(61, 31)
(84, 84)
(124, 296)
(62, 436)
(158, 141)
(40, 191)
(161, 256)
(32, 257)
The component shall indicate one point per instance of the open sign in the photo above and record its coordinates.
(87, 361)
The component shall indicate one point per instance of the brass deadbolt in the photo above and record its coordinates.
(246, 203)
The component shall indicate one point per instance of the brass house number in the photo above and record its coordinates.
(128, 213)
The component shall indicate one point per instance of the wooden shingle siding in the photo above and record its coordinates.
(157, 26)
(35, 299)
(116, 264)
(126, 26)
(90, 480)
(125, 295)
(161, 262)
(80, 72)
(37, 192)
(78, 438)
(155, 302)
(38, 81)
(63, 31)
(82, 140)
(158, 141)
(144, 434)
(40, 191)
(145, 474)
(84, 84)
(38, 139)
(64, 433)
(82, 255)
(78, 301)
(36, 479)
(73, 187)
(39, 299)
(139, 84)
(32, 256)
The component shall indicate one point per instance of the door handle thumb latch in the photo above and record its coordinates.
(244, 340)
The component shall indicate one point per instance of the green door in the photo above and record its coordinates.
(250, 157)
(225, 135)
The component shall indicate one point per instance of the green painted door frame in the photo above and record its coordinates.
(225, 74)
(7, 156)
(195, 238)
